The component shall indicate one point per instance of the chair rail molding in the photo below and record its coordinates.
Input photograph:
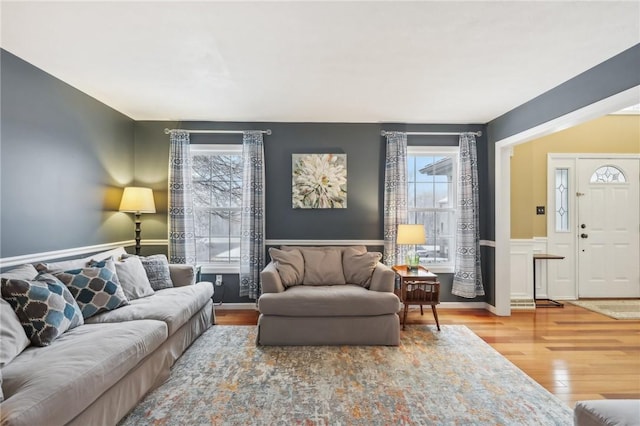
(60, 254)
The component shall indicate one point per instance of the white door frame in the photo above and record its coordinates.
(503, 184)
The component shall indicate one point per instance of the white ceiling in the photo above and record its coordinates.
(385, 61)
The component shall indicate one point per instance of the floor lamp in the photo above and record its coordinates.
(137, 200)
(411, 235)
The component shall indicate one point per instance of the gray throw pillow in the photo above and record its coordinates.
(157, 269)
(290, 266)
(133, 278)
(322, 267)
(358, 267)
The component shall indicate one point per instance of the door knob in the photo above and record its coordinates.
(584, 236)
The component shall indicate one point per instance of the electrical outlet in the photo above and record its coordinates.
(218, 280)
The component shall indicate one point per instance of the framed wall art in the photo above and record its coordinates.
(319, 181)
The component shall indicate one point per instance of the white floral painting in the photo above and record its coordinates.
(319, 181)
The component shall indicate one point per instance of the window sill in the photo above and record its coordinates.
(439, 269)
(212, 268)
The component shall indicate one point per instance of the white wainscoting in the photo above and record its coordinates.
(522, 251)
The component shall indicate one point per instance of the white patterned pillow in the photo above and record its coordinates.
(96, 288)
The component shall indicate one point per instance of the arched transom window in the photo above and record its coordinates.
(608, 174)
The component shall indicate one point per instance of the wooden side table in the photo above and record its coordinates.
(419, 287)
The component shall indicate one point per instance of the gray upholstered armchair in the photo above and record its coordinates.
(327, 296)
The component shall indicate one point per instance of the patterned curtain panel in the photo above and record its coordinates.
(395, 194)
(467, 279)
(182, 243)
(252, 251)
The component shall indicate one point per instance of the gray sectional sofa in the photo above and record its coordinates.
(95, 373)
(327, 296)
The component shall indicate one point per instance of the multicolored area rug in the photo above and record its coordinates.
(614, 308)
(450, 377)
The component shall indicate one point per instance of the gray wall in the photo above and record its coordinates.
(364, 146)
(64, 160)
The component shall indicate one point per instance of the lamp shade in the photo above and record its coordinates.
(137, 200)
(411, 234)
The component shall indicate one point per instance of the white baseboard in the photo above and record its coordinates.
(235, 306)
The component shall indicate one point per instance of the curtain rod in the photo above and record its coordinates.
(478, 133)
(167, 131)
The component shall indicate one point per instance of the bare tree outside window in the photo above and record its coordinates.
(217, 198)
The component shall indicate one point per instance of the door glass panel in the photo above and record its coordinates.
(562, 200)
(608, 174)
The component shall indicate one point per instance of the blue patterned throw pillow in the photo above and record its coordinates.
(96, 289)
(45, 307)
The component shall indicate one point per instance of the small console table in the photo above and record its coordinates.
(418, 287)
(544, 303)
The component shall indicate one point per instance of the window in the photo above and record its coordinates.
(562, 200)
(608, 174)
(217, 200)
(431, 183)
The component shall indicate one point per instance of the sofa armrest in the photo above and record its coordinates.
(182, 275)
(383, 278)
(270, 279)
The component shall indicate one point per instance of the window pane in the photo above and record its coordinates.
(411, 193)
(424, 165)
(424, 195)
(562, 200)
(608, 174)
(201, 219)
(411, 169)
(441, 195)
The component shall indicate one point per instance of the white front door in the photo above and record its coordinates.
(608, 227)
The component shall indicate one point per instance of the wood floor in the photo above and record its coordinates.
(574, 353)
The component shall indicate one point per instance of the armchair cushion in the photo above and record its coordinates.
(322, 267)
(358, 267)
(290, 265)
(328, 301)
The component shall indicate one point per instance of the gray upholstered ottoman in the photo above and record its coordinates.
(607, 412)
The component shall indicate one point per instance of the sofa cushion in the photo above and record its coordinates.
(95, 288)
(175, 306)
(322, 267)
(52, 385)
(13, 338)
(44, 306)
(358, 267)
(290, 265)
(133, 278)
(326, 301)
(157, 268)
